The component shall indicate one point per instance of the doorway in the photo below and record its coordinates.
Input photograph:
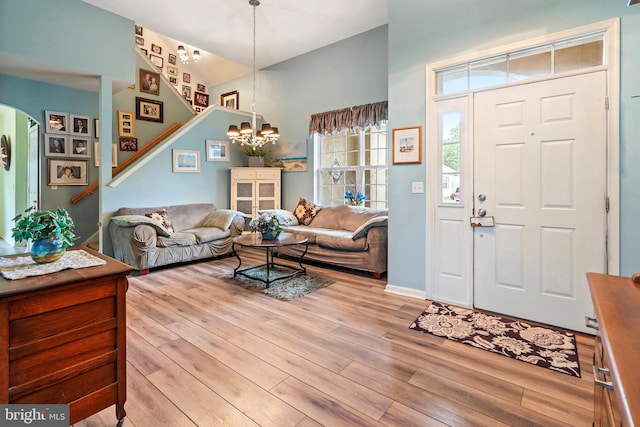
(19, 185)
(540, 177)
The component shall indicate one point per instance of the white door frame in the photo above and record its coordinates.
(611, 29)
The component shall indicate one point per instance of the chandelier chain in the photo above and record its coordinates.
(248, 134)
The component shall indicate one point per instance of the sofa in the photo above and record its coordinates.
(152, 237)
(346, 236)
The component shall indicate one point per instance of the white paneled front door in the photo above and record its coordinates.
(540, 156)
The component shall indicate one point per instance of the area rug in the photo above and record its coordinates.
(540, 346)
(285, 289)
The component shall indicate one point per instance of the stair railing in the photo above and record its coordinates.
(91, 188)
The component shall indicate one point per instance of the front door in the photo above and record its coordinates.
(540, 156)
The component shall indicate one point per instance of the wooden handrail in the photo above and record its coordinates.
(84, 193)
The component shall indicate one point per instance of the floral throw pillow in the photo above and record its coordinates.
(163, 218)
(305, 211)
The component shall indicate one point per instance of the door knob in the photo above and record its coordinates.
(482, 212)
(482, 197)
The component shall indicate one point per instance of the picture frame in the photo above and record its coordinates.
(68, 172)
(144, 51)
(201, 99)
(149, 110)
(186, 91)
(186, 77)
(56, 149)
(80, 146)
(186, 161)
(172, 59)
(140, 41)
(217, 151)
(139, 30)
(201, 88)
(172, 71)
(230, 100)
(96, 154)
(128, 144)
(156, 60)
(56, 122)
(156, 49)
(407, 145)
(126, 123)
(79, 125)
(173, 81)
(149, 82)
(96, 128)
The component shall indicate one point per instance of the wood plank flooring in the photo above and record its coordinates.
(203, 352)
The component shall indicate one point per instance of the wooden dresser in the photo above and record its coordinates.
(617, 350)
(62, 339)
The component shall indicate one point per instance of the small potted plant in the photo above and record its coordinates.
(256, 155)
(269, 225)
(50, 233)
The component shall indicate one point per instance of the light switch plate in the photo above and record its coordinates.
(417, 187)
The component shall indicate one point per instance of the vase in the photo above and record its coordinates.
(272, 235)
(47, 249)
(256, 161)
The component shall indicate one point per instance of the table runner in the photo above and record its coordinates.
(23, 266)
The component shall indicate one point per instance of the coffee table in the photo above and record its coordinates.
(254, 240)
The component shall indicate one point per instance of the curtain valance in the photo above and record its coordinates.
(359, 116)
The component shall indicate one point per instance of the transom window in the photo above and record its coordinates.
(353, 160)
(552, 58)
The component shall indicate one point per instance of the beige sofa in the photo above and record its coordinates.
(151, 237)
(345, 236)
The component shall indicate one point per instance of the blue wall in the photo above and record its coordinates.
(33, 98)
(350, 72)
(418, 37)
(67, 35)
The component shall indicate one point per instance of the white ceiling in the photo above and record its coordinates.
(284, 28)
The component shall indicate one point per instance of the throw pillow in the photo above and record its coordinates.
(163, 218)
(305, 211)
(220, 218)
(283, 213)
(133, 220)
(378, 221)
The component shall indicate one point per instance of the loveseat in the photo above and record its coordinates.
(347, 236)
(151, 237)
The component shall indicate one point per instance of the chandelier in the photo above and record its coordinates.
(248, 134)
(184, 55)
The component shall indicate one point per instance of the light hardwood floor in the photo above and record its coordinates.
(202, 352)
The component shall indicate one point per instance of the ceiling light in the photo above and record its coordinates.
(247, 134)
(184, 55)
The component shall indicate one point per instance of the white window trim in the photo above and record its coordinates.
(317, 143)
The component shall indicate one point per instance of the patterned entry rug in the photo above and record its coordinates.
(549, 348)
(285, 289)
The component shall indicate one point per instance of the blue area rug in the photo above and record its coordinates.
(285, 289)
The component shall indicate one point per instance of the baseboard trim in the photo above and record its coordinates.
(407, 292)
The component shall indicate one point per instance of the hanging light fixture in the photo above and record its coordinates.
(247, 134)
(184, 55)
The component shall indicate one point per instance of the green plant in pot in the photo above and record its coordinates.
(50, 233)
(256, 154)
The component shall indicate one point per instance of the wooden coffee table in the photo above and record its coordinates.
(254, 240)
